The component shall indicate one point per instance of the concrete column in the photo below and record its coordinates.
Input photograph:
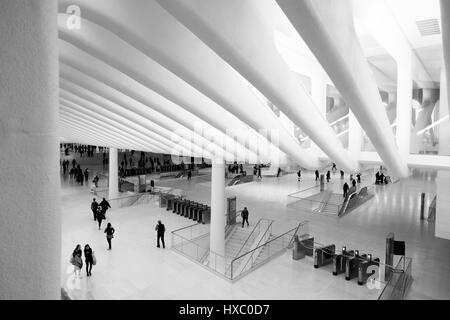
(444, 127)
(319, 97)
(218, 210)
(30, 227)
(404, 105)
(355, 136)
(113, 186)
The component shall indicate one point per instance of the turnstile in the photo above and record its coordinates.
(363, 266)
(324, 255)
(352, 264)
(340, 261)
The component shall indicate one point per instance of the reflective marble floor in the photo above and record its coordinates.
(136, 269)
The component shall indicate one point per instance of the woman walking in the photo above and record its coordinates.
(100, 216)
(109, 234)
(89, 259)
(76, 260)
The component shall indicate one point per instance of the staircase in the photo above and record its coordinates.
(235, 243)
(270, 249)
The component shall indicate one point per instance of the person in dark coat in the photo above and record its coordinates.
(109, 234)
(342, 174)
(317, 174)
(189, 175)
(94, 207)
(244, 215)
(86, 175)
(299, 174)
(105, 205)
(100, 216)
(278, 172)
(354, 183)
(259, 173)
(345, 189)
(160, 229)
(328, 176)
(88, 259)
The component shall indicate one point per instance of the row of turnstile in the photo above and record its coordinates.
(349, 262)
(190, 209)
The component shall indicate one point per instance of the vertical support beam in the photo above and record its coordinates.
(404, 104)
(30, 227)
(445, 21)
(218, 211)
(444, 127)
(113, 189)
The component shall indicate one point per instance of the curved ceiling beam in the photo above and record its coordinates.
(145, 126)
(70, 109)
(445, 20)
(327, 27)
(72, 135)
(196, 64)
(104, 135)
(139, 131)
(243, 35)
(111, 50)
(106, 74)
(107, 97)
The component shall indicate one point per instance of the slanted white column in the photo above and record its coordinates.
(30, 220)
(404, 104)
(319, 96)
(218, 222)
(355, 136)
(113, 186)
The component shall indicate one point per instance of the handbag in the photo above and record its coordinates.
(94, 259)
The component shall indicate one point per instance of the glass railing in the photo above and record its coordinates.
(399, 281)
(132, 200)
(193, 242)
(267, 248)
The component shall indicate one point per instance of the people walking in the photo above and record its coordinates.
(100, 216)
(244, 215)
(109, 234)
(328, 176)
(94, 207)
(160, 229)
(345, 189)
(104, 205)
(334, 169)
(76, 260)
(88, 259)
(189, 175)
(354, 183)
(317, 174)
(358, 177)
(86, 175)
(279, 172)
(259, 172)
(299, 174)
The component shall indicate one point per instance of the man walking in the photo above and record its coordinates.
(345, 189)
(94, 206)
(244, 215)
(317, 174)
(160, 229)
(105, 205)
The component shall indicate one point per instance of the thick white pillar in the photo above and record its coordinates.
(113, 174)
(319, 97)
(355, 136)
(218, 222)
(404, 104)
(30, 223)
(444, 127)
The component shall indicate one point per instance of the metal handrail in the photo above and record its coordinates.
(257, 245)
(248, 238)
(345, 205)
(276, 238)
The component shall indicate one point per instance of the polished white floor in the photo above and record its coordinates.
(136, 269)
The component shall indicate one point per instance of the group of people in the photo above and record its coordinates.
(236, 168)
(99, 210)
(77, 261)
(257, 171)
(380, 178)
(76, 172)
